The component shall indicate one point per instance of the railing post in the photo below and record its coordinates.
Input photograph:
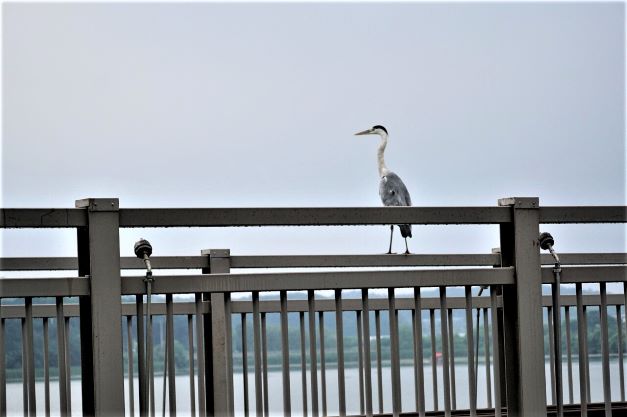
(101, 311)
(217, 329)
(522, 310)
(499, 349)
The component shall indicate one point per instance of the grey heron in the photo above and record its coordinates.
(392, 190)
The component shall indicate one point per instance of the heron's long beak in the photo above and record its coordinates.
(365, 132)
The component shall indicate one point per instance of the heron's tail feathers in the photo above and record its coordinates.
(405, 230)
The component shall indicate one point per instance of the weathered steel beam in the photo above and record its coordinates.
(319, 216)
(284, 216)
(295, 281)
(102, 369)
(309, 261)
(522, 310)
(43, 287)
(591, 274)
(584, 214)
(42, 217)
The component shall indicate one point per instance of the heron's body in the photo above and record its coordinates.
(392, 190)
(394, 193)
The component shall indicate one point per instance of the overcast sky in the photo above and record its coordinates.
(244, 105)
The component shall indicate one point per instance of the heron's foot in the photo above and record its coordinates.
(390, 253)
(407, 252)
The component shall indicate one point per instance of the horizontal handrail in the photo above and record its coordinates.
(42, 217)
(289, 281)
(44, 287)
(587, 274)
(583, 214)
(322, 216)
(308, 261)
(297, 281)
(297, 306)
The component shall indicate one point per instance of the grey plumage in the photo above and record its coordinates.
(394, 193)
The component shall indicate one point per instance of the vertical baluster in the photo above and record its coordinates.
(419, 376)
(451, 344)
(169, 304)
(582, 340)
(257, 346)
(472, 388)
(569, 354)
(68, 364)
(264, 354)
(141, 356)
(365, 303)
(228, 323)
(625, 304)
(3, 377)
(323, 369)
(311, 315)
(129, 353)
(486, 352)
(46, 368)
(303, 361)
(619, 330)
(552, 358)
(585, 327)
(495, 348)
(24, 369)
(200, 354)
(30, 356)
(287, 407)
(245, 363)
(557, 344)
(190, 355)
(434, 362)
(377, 322)
(150, 344)
(339, 334)
(445, 359)
(605, 351)
(394, 368)
(166, 371)
(360, 359)
(63, 403)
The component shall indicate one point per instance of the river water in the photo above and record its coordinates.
(275, 394)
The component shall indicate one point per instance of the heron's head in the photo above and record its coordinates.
(374, 130)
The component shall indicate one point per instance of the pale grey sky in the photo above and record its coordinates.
(256, 105)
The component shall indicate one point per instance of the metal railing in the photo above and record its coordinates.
(512, 331)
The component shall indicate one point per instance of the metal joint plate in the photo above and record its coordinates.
(98, 204)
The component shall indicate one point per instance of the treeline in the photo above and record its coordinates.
(13, 339)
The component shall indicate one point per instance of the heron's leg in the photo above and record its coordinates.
(391, 234)
(406, 248)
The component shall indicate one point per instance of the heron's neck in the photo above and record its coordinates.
(383, 170)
